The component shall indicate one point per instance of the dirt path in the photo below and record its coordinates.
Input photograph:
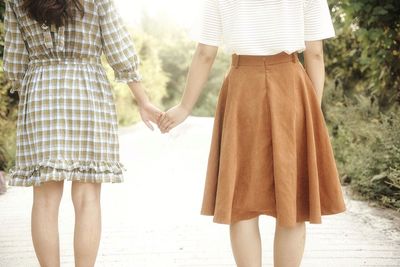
(153, 218)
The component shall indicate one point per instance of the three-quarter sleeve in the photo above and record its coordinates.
(317, 21)
(15, 55)
(117, 43)
(210, 31)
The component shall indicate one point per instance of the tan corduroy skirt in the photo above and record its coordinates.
(270, 151)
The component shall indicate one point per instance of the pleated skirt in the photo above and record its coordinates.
(270, 151)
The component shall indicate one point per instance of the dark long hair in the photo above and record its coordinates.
(53, 11)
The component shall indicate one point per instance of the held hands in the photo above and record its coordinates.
(166, 121)
(200, 67)
(147, 110)
(150, 113)
(172, 118)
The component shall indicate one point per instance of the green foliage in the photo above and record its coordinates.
(208, 101)
(154, 80)
(176, 53)
(176, 58)
(365, 57)
(8, 116)
(361, 99)
(366, 144)
(8, 107)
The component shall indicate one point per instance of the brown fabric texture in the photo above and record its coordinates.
(270, 151)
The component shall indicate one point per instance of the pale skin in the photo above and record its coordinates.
(289, 242)
(86, 201)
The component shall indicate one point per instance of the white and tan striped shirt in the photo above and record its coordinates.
(264, 27)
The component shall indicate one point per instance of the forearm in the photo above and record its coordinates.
(315, 67)
(199, 70)
(139, 93)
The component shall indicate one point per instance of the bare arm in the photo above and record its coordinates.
(315, 67)
(148, 111)
(139, 93)
(199, 70)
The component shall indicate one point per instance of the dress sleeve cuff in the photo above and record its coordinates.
(126, 77)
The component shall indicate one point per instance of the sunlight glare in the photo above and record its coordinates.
(183, 12)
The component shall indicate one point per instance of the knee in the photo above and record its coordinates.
(245, 227)
(297, 228)
(47, 203)
(47, 196)
(85, 196)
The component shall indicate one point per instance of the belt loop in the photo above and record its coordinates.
(294, 56)
(235, 60)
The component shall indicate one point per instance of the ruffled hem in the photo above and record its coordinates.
(59, 170)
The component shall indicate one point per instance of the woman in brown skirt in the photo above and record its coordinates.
(270, 151)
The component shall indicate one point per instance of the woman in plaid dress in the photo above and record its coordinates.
(67, 124)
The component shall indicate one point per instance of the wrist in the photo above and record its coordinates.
(138, 91)
(186, 108)
(142, 102)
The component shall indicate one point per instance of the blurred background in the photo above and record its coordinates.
(361, 99)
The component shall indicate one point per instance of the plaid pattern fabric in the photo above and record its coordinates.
(15, 52)
(67, 124)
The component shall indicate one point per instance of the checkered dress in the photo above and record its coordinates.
(67, 124)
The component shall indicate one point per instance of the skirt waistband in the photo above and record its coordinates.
(60, 61)
(244, 60)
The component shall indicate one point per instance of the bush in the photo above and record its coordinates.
(364, 57)
(8, 109)
(362, 96)
(366, 143)
(8, 116)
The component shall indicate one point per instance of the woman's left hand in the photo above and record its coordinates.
(150, 113)
(172, 118)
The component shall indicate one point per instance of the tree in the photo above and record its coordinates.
(364, 58)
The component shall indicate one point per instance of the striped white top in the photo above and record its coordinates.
(264, 27)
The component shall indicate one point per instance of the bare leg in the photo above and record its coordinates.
(86, 199)
(289, 245)
(246, 243)
(44, 223)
